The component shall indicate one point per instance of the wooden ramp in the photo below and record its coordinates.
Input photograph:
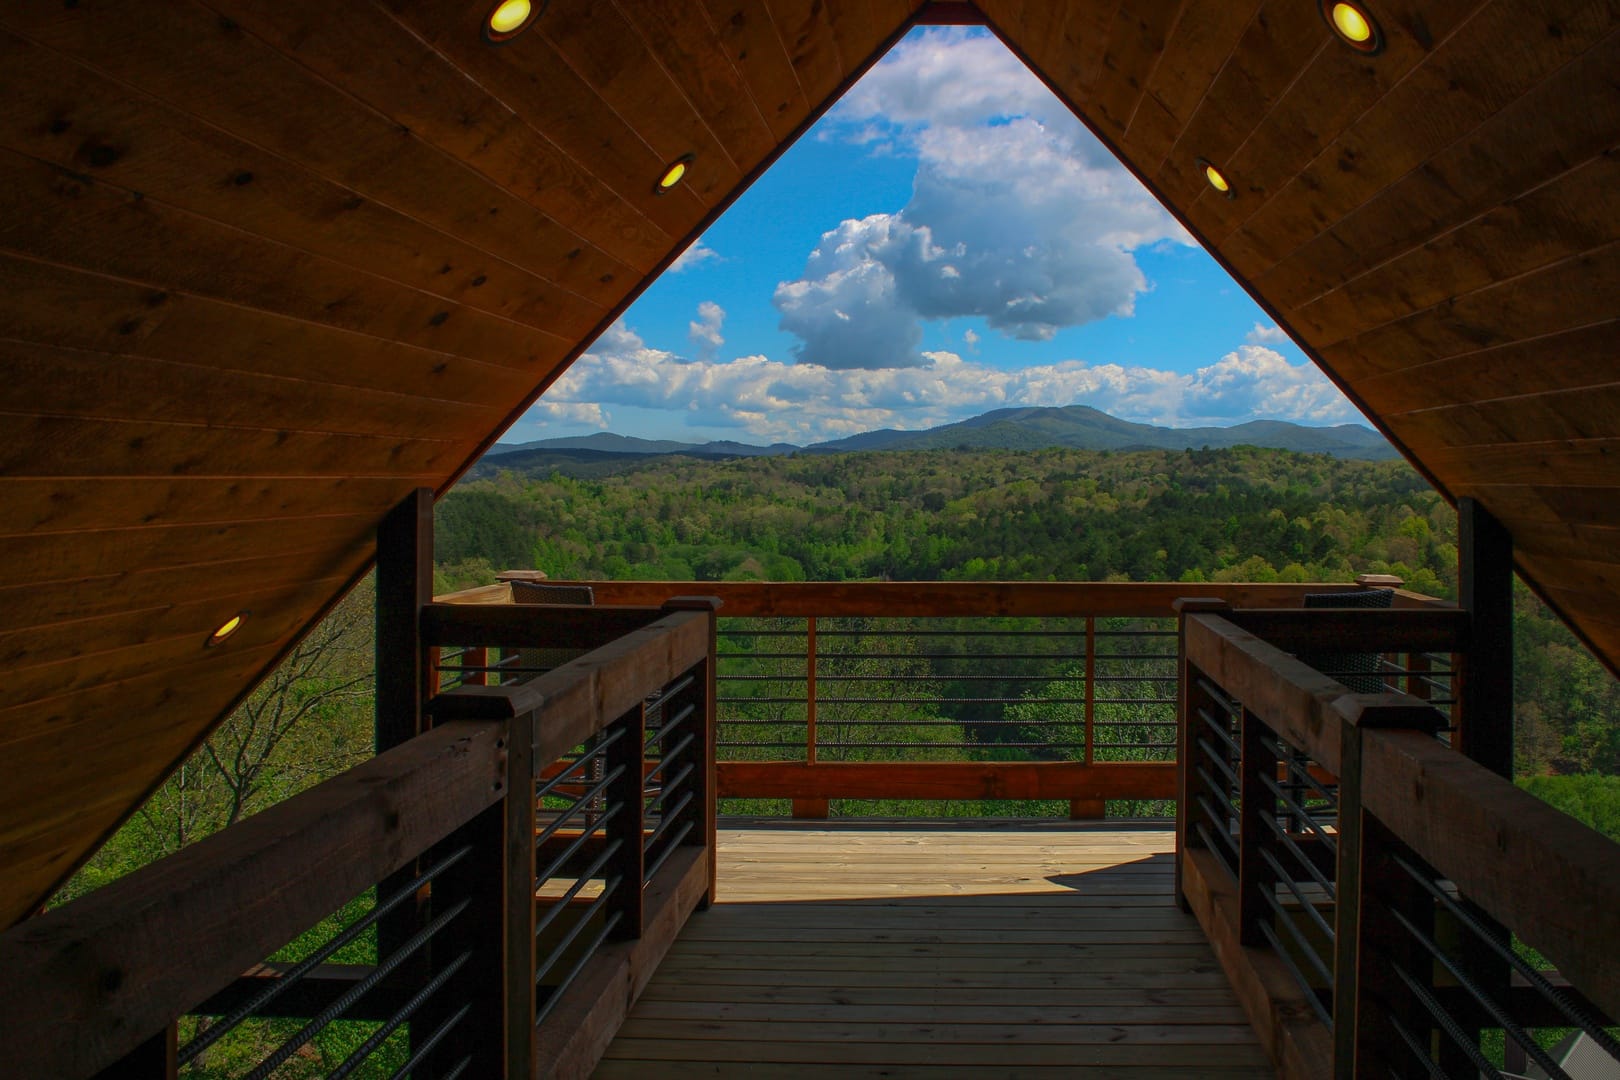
(950, 949)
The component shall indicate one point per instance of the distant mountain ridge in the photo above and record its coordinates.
(1077, 427)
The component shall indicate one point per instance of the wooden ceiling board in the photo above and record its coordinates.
(74, 596)
(90, 124)
(1378, 190)
(1198, 46)
(1566, 295)
(531, 77)
(40, 505)
(1558, 220)
(1568, 361)
(678, 32)
(259, 95)
(750, 39)
(267, 265)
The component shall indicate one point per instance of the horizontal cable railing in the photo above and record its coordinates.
(948, 690)
(453, 907)
(1374, 894)
(621, 808)
(260, 944)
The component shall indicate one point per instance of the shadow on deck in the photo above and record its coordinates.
(940, 948)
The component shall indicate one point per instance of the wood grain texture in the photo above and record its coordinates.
(266, 265)
(1073, 961)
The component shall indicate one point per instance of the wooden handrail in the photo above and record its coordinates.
(1529, 868)
(583, 696)
(1550, 878)
(923, 599)
(87, 983)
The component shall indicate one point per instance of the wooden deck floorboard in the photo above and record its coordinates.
(940, 949)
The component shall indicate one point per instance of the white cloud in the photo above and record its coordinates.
(695, 255)
(971, 337)
(705, 332)
(1018, 215)
(762, 399)
(1267, 335)
(589, 414)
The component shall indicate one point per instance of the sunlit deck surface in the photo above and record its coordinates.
(940, 948)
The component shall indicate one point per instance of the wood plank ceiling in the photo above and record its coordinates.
(266, 265)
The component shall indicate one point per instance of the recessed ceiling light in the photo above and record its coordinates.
(1353, 25)
(1216, 179)
(509, 18)
(674, 174)
(229, 627)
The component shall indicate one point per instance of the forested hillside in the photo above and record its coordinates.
(1242, 514)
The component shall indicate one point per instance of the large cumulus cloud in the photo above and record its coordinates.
(1018, 215)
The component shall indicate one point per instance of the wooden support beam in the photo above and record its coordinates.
(1485, 593)
(404, 585)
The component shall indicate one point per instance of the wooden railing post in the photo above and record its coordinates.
(1189, 700)
(810, 808)
(708, 834)
(627, 755)
(404, 675)
(491, 943)
(1349, 911)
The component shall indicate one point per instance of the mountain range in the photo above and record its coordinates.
(1073, 426)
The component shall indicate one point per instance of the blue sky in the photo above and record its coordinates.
(946, 241)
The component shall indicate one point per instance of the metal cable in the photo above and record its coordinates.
(376, 1038)
(1293, 886)
(1448, 1024)
(1583, 1018)
(257, 1002)
(556, 906)
(669, 849)
(434, 1040)
(355, 993)
(1490, 1005)
(1299, 977)
(573, 931)
(567, 980)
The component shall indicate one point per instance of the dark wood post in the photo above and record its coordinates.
(1357, 719)
(1485, 592)
(404, 585)
(1255, 876)
(1381, 996)
(1190, 699)
(627, 826)
(1485, 694)
(706, 785)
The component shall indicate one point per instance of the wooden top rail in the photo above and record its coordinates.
(1552, 880)
(1289, 696)
(84, 984)
(922, 599)
(559, 626)
(585, 695)
(1347, 630)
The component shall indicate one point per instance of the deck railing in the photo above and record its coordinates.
(1059, 691)
(484, 899)
(1372, 893)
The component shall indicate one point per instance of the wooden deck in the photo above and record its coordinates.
(947, 949)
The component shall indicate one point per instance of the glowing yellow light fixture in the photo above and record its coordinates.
(1216, 178)
(509, 18)
(674, 174)
(1354, 26)
(229, 627)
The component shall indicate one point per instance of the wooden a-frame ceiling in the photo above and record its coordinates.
(267, 265)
